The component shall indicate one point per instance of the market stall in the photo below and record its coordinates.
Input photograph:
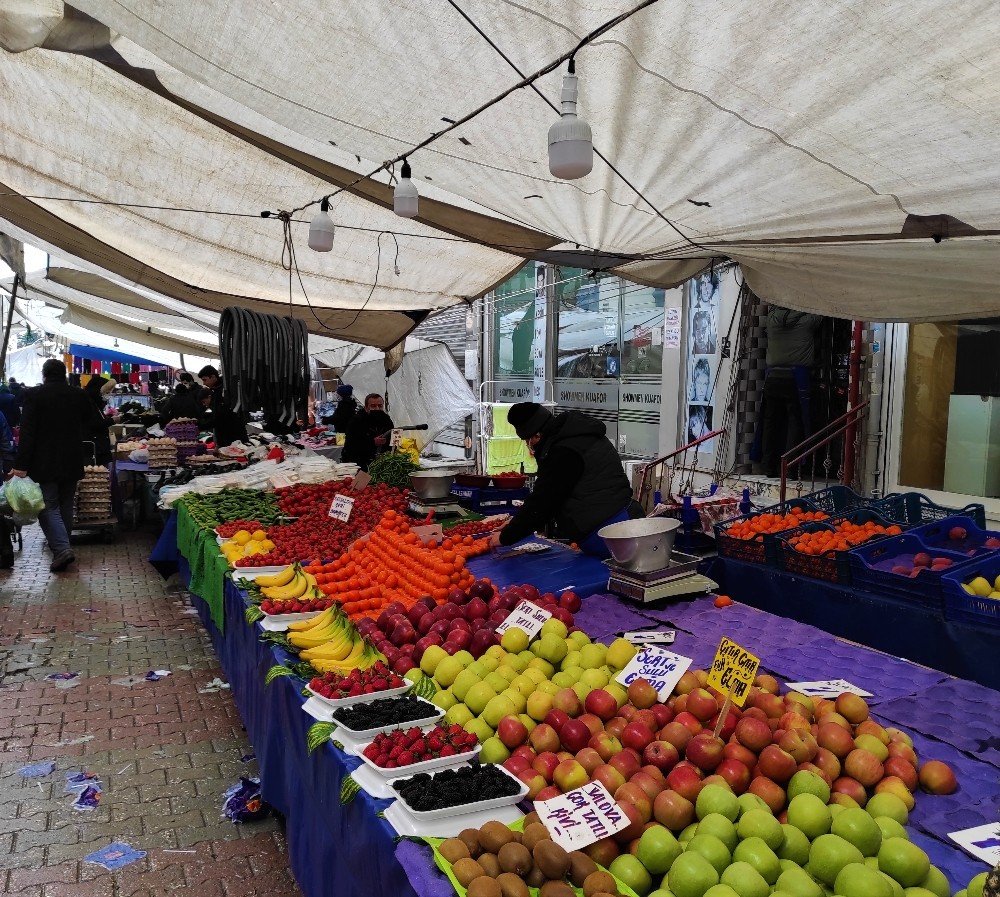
(258, 614)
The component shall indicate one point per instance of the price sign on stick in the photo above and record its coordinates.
(659, 667)
(360, 481)
(527, 616)
(828, 688)
(580, 817)
(341, 507)
(733, 671)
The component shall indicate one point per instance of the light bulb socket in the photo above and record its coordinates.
(321, 229)
(405, 198)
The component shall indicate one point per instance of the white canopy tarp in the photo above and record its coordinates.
(427, 389)
(822, 146)
(25, 365)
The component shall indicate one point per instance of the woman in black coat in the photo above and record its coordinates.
(98, 424)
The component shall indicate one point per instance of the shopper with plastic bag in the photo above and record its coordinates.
(53, 423)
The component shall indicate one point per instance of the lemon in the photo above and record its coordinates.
(994, 595)
(267, 545)
(241, 537)
(981, 586)
(259, 535)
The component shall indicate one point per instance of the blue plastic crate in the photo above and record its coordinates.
(755, 551)
(871, 569)
(962, 607)
(834, 566)
(937, 535)
(915, 509)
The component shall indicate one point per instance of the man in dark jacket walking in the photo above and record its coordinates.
(9, 405)
(53, 423)
(581, 484)
(368, 433)
(347, 408)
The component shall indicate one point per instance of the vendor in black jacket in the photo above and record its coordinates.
(581, 484)
(368, 433)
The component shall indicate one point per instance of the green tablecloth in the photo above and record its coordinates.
(208, 566)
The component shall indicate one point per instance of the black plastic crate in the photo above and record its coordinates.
(836, 499)
(915, 509)
(762, 549)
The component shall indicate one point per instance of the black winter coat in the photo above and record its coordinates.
(54, 421)
(359, 443)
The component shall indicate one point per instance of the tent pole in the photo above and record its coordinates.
(7, 329)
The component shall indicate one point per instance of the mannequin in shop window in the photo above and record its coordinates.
(788, 384)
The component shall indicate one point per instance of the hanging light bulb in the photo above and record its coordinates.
(571, 148)
(321, 229)
(405, 198)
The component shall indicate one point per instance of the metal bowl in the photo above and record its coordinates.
(432, 484)
(641, 545)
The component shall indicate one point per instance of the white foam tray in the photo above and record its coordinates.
(404, 772)
(334, 703)
(434, 713)
(279, 622)
(448, 827)
(463, 810)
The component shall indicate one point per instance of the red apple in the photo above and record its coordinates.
(702, 704)
(852, 788)
(601, 704)
(903, 751)
(526, 751)
(574, 735)
(690, 722)
(656, 773)
(677, 734)
(548, 792)
(661, 754)
(685, 779)
(937, 778)
(637, 736)
(606, 745)
(636, 823)
(514, 764)
(641, 694)
(829, 763)
(663, 713)
(801, 745)
(770, 792)
(556, 718)
(589, 759)
(592, 722)
(736, 774)
(627, 761)
(818, 770)
(864, 766)
(672, 810)
(728, 727)
(603, 852)
(903, 770)
(616, 726)
(894, 785)
(544, 738)
(568, 701)
(512, 732)
(766, 682)
(754, 734)
(687, 683)
(647, 783)
(646, 718)
(534, 781)
(705, 751)
(853, 708)
(836, 739)
(735, 751)
(609, 777)
(570, 601)
(633, 794)
(776, 764)
(545, 764)
(772, 705)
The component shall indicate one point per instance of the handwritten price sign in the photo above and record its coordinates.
(658, 666)
(527, 616)
(733, 671)
(580, 817)
(341, 507)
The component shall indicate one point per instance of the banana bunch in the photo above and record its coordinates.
(289, 585)
(331, 643)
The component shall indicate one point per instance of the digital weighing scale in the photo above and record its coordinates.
(679, 578)
(443, 508)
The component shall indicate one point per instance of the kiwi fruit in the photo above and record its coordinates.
(490, 864)
(493, 836)
(484, 886)
(599, 882)
(467, 870)
(512, 885)
(515, 858)
(453, 850)
(531, 818)
(533, 834)
(551, 859)
(471, 838)
(535, 878)
(580, 866)
(556, 889)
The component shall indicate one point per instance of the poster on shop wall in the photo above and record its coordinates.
(703, 358)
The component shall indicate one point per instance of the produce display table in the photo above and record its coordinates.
(887, 623)
(349, 850)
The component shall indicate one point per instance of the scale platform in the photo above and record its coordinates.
(679, 578)
(443, 508)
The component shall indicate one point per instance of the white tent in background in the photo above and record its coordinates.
(845, 156)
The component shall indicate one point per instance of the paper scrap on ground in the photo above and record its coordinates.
(215, 685)
(828, 688)
(983, 842)
(116, 855)
(58, 677)
(83, 739)
(78, 781)
(37, 770)
(156, 675)
(128, 681)
(88, 799)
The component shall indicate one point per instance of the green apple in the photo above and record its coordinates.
(723, 829)
(551, 648)
(755, 852)
(534, 674)
(885, 804)
(572, 658)
(716, 799)
(859, 880)
(890, 828)
(496, 682)
(797, 883)
(564, 679)
(657, 849)
(518, 662)
(619, 692)
(761, 824)
(712, 849)
(555, 627)
(828, 855)
(936, 883)
(750, 801)
(447, 670)
(515, 640)
(549, 687)
(477, 697)
(497, 708)
(796, 846)
(493, 750)
(463, 683)
(432, 656)
(508, 673)
(488, 663)
(691, 875)
(464, 658)
(444, 699)
(480, 728)
(976, 886)
(806, 782)
(582, 690)
(459, 714)
(524, 684)
(721, 890)
(808, 813)
(539, 704)
(593, 656)
(858, 827)
(581, 637)
(529, 723)
(620, 652)
(745, 880)
(594, 677)
(519, 701)
(539, 663)
(903, 861)
(628, 869)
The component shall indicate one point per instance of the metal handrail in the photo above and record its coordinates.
(660, 461)
(846, 421)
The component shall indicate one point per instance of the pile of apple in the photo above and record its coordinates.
(656, 758)
(465, 622)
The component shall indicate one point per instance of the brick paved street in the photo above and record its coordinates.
(164, 752)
